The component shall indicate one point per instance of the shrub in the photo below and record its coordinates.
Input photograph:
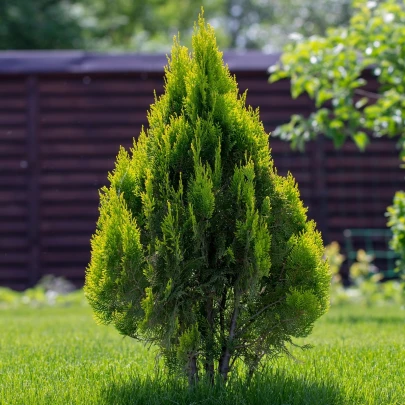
(366, 287)
(396, 220)
(201, 248)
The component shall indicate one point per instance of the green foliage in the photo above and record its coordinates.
(140, 25)
(396, 220)
(149, 25)
(335, 260)
(329, 69)
(366, 287)
(39, 24)
(363, 267)
(41, 296)
(201, 248)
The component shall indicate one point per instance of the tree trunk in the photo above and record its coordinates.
(209, 361)
(224, 363)
(225, 358)
(192, 371)
(253, 367)
(209, 369)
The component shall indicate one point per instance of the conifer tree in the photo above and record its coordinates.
(201, 248)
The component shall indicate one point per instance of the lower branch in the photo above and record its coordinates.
(250, 321)
(224, 361)
(209, 360)
(192, 370)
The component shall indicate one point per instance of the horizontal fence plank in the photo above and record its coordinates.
(13, 226)
(66, 242)
(14, 165)
(9, 243)
(12, 196)
(78, 165)
(278, 101)
(10, 210)
(13, 257)
(353, 162)
(13, 103)
(356, 222)
(362, 193)
(349, 177)
(12, 118)
(73, 179)
(72, 272)
(72, 225)
(90, 149)
(69, 195)
(259, 84)
(82, 86)
(95, 134)
(11, 134)
(66, 257)
(18, 179)
(92, 102)
(11, 150)
(13, 87)
(69, 209)
(9, 275)
(95, 118)
(364, 208)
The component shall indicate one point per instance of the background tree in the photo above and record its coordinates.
(396, 221)
(331, 70)
(39, 24)
(144, 26)
(149, 25)
(268, 25)
(201, 248)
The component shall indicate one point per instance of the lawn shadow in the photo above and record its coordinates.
(267, 388)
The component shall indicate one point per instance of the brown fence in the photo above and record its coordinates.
(64, 115)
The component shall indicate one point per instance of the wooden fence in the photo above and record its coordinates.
(64, 115)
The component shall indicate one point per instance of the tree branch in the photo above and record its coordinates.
(221, 314)
(226, 349)
(253, 317)
(369, 94)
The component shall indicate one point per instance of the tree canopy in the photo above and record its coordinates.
(334, 71)
(39, 24)
(150, 25)
(356, 76)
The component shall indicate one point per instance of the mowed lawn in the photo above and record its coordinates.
(60, 356)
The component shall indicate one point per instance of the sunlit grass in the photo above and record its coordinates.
(60, 356)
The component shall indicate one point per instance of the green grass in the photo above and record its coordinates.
(59, 356)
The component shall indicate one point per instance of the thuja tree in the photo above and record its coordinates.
(201, 249)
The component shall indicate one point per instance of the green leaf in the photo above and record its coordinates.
(338, 137)
(310, 88)
(278, 75)
(298, 86)
(336, 124)
(361, 140)
(372, 111)
(322, 97)
(361, 103)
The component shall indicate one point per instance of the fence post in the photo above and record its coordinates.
(33, 179)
